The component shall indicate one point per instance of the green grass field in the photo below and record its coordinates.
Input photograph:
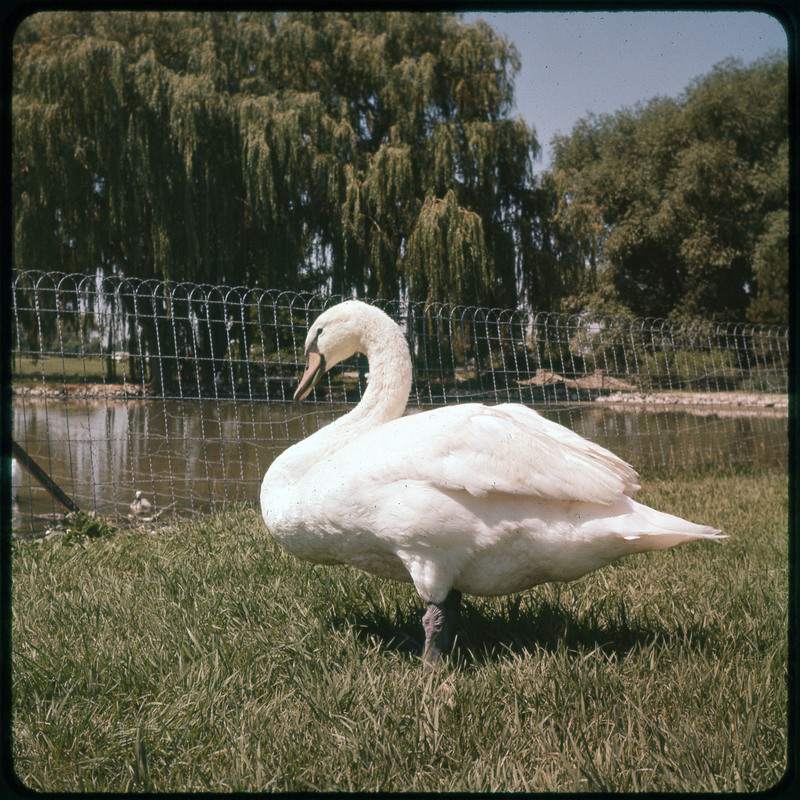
(55, 369)
(203, 657)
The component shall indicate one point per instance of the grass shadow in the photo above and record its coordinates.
(487, 635)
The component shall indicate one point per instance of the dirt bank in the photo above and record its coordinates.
(719, 403)
(694, 402)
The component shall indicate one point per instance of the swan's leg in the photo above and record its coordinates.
(439, 623)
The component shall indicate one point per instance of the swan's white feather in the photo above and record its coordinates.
(482, 449)
(485, 499)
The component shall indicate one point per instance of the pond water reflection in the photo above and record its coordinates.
(189, 455)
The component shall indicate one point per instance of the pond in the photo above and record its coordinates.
(187, 456)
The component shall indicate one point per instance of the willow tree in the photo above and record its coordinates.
(296, 150)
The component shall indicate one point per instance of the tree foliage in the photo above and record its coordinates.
(374, 153)
(683, 204)
(366, 152)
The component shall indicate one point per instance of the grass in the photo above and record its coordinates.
(203, 657)
(70, 369)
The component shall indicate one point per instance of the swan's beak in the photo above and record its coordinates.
(315, 368)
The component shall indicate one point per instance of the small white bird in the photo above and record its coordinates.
(467, 498)
(140, 505)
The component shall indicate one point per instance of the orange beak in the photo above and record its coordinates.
(315, 369)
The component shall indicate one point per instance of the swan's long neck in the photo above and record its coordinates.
(389, 379)
(388, 387)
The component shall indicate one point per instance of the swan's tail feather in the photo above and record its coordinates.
(643, 528)
(656, 530)
(667, 539)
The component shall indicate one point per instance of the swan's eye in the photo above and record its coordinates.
(312, 348)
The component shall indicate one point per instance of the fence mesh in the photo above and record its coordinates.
(182, 392)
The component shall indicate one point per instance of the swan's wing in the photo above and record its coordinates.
(506, 448)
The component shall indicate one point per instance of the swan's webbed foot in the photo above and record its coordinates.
(439, 625)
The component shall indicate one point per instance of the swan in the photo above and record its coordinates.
(486, 500)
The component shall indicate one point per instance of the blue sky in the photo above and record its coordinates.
(581, 62)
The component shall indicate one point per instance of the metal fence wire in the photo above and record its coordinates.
(139, 397)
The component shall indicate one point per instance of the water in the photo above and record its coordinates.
(189, 456)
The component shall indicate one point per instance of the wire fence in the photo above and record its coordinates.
(140, 397)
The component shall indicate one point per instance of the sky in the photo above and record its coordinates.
(580, 62)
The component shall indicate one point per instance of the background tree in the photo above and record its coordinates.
(691, 196)
(771, 272)
(374, 153)
(297, 150)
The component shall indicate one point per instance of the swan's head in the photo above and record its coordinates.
(335, 335)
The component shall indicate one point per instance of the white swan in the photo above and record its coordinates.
(468, 498)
